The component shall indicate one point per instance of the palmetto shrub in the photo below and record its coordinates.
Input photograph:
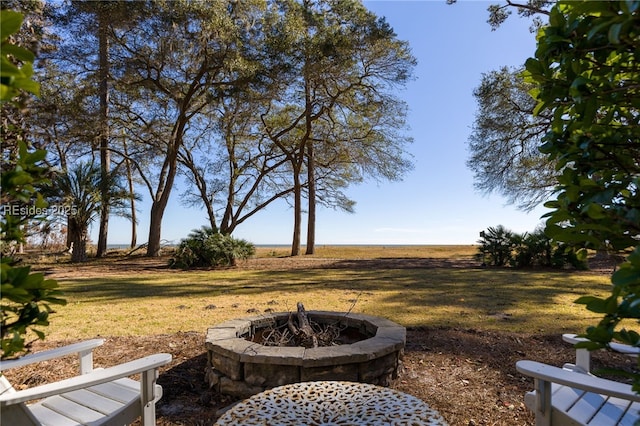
(206, 247)
(496, 246)
(499, 246)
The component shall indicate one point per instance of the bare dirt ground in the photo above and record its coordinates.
(468, 375)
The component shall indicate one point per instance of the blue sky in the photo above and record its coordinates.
(435, 203)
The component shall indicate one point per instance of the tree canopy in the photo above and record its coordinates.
(506, 134)
(588, 78)
(335, 115)
(505, 138)
(249, 101)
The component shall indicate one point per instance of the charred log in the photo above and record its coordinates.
(299, 330)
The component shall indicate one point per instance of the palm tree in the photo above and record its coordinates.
(79, 193)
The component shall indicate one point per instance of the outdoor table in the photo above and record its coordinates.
(331, 403)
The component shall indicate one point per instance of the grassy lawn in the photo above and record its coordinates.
(147, 301)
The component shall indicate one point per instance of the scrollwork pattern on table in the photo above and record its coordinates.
(331, 403)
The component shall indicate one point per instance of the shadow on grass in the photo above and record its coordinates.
(447, 296)
(445, 284)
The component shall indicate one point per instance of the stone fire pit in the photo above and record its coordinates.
(239, 367)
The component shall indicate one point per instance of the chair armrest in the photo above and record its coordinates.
(81, 348)
(617, 347)
(576, 380)
(629, 350)
(573, 338)
(142, 365)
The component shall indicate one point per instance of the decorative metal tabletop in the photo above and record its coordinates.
(331, 403)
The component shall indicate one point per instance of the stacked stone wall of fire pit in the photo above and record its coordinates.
(239, 367)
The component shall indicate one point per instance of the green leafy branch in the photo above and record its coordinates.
(16, 63)
(586, 71)
(26, 297)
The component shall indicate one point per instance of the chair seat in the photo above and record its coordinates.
(94, 397)
(572, 396)
(106, 402)
(573, 406)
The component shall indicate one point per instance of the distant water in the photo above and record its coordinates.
(128, 246)
(117, 246)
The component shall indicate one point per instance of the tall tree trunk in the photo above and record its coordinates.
(155, 228)
(311, 215)
(132, 200)
(170, 166)
(207, 201)
(105, 156)
(227, 217)
(134, 224)
(297, 213)
(212, 216)
(164, 190)
(308, 106)
(78, 234)
(157, 211)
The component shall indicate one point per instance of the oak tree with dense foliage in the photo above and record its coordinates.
(337, 118)
(505, 138)
(177, 63)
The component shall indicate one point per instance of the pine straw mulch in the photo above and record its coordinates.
(469, 376)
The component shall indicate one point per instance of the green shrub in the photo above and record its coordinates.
(206, 247)
(496, 246)
(564, 255)
(501, 247)
(532, 249)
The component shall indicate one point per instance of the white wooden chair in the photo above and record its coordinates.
(95, 397)
(573, 396)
